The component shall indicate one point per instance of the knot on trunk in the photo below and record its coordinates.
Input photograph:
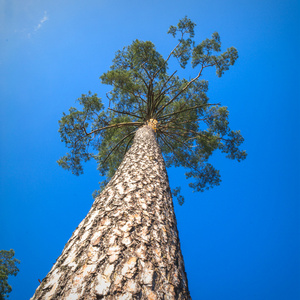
(153, 124)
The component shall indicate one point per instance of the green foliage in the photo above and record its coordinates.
(7, 267)
(183, 50)
(176, 193)
(189, 128)
(203, 55)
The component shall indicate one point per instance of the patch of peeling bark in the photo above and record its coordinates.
(127, 247)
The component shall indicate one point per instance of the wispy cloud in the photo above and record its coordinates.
(42, 21)
(38, 26)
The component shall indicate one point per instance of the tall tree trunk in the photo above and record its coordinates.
(127, 247)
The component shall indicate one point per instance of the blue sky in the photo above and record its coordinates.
(240, 240)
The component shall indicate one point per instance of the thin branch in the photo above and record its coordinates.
(190, 108)
(132, 93)
(174, 118)
(141, 110)
(178, 159)
(128, 144)
(142, 66)
(125, 113)
(117, 146)
(175, 97)
(108, 99)
(171, 134)
(177, 133)
(167, 144)
(160, 92)
(145, 83)
(139, 95)
(197, 133)
(186, 130)
(83, 126)
(116, 125)
(138, 75)
(165, 62)
(174, 152)
(178, 123)
(149, 99)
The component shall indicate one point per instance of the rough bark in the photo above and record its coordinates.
(127, 247)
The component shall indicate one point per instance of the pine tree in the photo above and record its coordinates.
(127, 247)
(8, 266)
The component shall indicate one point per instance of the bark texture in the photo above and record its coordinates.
(127, 247)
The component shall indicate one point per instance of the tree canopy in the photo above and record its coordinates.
(8, 266)
(145, 91)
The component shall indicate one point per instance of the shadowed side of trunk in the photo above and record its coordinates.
(127, 247)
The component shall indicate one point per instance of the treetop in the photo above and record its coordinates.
(188, 128)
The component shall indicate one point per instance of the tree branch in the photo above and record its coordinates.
(117, 146)
(125, 113)
(187, 163)
(116, 125)
(190, 108)
(160, 92)
(177, 133)
(163, 93)
(128, 144)
(171, 134)
(142, 66)
(174, 98)
(165, 62)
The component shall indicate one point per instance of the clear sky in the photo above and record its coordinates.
(240, 240)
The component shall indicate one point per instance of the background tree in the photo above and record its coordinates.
(8, 266)
(189, 128)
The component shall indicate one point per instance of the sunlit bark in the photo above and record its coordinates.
(127, 247)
